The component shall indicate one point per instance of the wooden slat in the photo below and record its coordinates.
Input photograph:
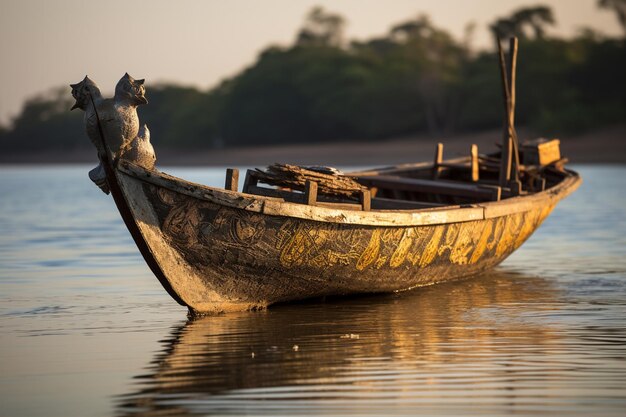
(497, 192)
(271, 192)
(310, 192)
(430, 186)
(251, 180)
(292, 197)
(515, 186)
(437, 161)
(377, 203)
(338, 206)
(380, 203)
(366, 200)
(232, 179)
(474, 162)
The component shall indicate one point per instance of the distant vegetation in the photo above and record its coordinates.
(417, 78)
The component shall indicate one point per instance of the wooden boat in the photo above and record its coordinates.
(406, 226)
(217, 249)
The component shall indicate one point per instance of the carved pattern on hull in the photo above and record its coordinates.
(210, 237)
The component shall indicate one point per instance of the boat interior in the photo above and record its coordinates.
(477, 178)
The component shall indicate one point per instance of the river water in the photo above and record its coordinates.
(86, 330)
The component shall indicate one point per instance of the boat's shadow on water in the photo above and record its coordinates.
(341, 354)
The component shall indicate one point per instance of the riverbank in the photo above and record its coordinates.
(607, 145)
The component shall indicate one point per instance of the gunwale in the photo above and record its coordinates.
(381, 218)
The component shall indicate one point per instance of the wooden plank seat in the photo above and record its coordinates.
(442, 187)
(377, 203)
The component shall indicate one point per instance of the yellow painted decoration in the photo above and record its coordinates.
(509, 234)
(464, 243)
(399, 255)
(380, 262)
(296, 247)
(452, 231)
(430, 251)
(528, 226)
(481, 244)
(371, 251)
(498, 229)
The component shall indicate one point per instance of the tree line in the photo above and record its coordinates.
(417, 78)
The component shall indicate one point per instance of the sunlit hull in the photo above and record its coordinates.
(217, 250)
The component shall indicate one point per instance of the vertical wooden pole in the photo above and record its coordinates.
(474, 162)
(512, 79)
(310, 192)
(496, 194)
(541, 184)
(505, 160)
(513, 46)
(232, 179)
(250, 180)
(438, 160)
(366, 200)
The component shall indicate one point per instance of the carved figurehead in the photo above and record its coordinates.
(119, 121)
(130, 93)
(122, 122)
(81, 92)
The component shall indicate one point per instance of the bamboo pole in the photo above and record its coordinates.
(509, 164)
(505, 159)
(513, 47)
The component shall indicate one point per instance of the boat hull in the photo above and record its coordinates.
(217, 254)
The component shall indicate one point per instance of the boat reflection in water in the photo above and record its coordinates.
(478, 346)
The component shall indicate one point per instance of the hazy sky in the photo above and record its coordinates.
(48, 43)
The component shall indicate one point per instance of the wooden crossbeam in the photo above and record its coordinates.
(431, 186)
(377, 203)
(380, 203)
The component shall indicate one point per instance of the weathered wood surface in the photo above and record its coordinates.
(222, 250)
(273, 206)
(430, 186)
(296, 177)
(510, 160)
(232, 179)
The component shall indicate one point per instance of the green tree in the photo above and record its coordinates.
(617, 6)
(45, 122)
(438, 63)
(416, 78)
(322, 28)
(535, 19)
